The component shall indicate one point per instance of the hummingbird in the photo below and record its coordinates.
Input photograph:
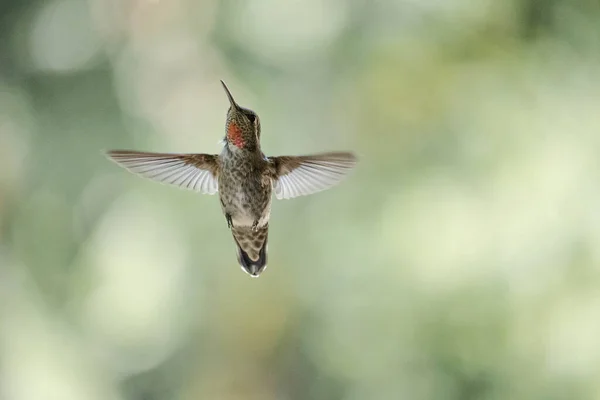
(244, 178)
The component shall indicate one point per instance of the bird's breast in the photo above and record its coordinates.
(245, 195)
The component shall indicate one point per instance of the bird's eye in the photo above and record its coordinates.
(251, 117)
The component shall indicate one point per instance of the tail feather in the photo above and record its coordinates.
(252, 248)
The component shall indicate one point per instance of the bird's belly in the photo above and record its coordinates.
(246, 208)
(242, 220)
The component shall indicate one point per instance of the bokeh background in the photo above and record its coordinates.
(461, 260)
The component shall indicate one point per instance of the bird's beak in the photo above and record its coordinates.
(230, 97)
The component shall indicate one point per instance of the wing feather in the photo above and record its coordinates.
(295, 176)
(198, 172)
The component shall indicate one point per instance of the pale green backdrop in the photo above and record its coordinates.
(461, 260)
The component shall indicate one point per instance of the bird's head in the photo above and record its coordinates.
(242, 129)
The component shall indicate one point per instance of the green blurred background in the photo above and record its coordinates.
(461, 260)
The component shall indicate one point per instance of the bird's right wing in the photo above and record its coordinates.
(197, 172)
(295, 176)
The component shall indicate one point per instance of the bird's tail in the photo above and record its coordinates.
(252, 248)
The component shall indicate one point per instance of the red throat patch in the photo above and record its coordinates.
(234, 134)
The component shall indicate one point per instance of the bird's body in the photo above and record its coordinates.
(244, 178)
(244, 187)
(245, 195)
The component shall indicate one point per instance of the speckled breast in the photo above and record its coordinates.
(245, 192)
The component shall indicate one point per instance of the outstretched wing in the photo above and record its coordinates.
(189, 171)
(303, 175)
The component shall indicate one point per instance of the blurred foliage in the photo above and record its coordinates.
(460, 261)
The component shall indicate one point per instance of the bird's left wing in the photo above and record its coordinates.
(295, 176)
(197, 172)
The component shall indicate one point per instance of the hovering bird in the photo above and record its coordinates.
(244, 178)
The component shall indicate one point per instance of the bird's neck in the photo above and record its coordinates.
(249, 152)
